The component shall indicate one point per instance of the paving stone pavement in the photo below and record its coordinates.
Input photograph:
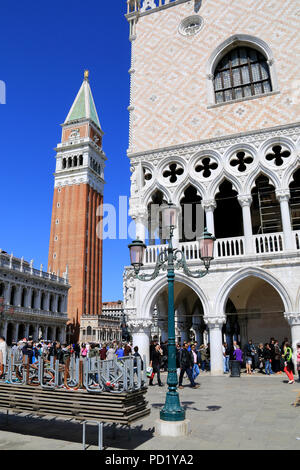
(251, 412)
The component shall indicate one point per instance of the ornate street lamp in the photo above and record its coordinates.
(169, 260)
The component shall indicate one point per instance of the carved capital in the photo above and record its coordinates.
(245, 200)
(139, 325)
(293, 318)
(215, 322)
(209, 204)
(283, 194)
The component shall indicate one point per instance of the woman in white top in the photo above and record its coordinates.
(3, 354)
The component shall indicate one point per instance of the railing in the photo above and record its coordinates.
(144, 5)
(269, 243)
(229, 247)
(5, 262)
(127, 374)
(33, 311)
(152, 253)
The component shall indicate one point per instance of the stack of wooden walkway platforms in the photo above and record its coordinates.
(123, 408)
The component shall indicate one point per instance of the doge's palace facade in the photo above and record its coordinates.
(214, 120)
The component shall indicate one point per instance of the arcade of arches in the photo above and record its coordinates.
(253, 310)
(232, 214)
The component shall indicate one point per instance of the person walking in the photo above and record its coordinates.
(203, 357)
(226, 357)
(298, 360)
(187, 365)
(155, 363)
(120, 351)
(111, 353)
(268, 354)
(276, 359)
(288, 362)
(196, 370)
(84, 351)
(260, 355)
(103, 352)
(3, 356)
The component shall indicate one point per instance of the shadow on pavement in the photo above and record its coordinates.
(115, 436)
(187, 406)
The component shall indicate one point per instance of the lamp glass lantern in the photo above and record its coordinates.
(137, 252)
(169, 216)
(206, 245)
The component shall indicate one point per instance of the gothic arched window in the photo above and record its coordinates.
(241, 73)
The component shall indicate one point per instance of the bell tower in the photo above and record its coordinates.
(76, 226)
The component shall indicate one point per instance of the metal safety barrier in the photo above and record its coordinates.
(126, 374)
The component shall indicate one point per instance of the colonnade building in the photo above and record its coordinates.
(32, 302)
(214, 122)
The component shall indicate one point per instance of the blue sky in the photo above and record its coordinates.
(44, 49)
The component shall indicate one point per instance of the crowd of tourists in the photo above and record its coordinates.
(191, 358)
(29, 350)
(269, 358)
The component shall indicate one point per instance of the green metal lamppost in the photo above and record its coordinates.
(169, 260)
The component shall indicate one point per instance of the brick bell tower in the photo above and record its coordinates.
(76, 224)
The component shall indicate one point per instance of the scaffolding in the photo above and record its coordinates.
(270, 213)
(295, 208)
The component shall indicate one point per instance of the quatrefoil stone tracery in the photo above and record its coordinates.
(206, 167)
(241, 160)
(147, 174)
(278, 155)
(173, 172)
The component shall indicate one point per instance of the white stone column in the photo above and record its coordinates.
(140, 330)
(28, 297)
(283, 197)
(36, 332)
(7, 294)
(209, 205)
(215, 325)
(15, 331)
(26, 330)
(4, 329)
(294, 322)
(37, 300)
(18, 295)
(245, 202)
(47, 301)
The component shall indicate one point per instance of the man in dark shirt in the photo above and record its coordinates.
(186, 365)
(155, 362)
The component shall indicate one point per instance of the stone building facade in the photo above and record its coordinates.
(214, 121)
(32, 302)
(103, 328)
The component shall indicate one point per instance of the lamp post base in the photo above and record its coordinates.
(172, 411)
(172, 428)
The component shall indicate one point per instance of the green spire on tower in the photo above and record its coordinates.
(84, 105)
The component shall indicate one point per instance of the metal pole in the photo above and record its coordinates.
(172, 410)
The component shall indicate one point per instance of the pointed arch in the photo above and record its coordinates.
(182, 187)
(214, 188)
(261, 171)
(152, 189)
